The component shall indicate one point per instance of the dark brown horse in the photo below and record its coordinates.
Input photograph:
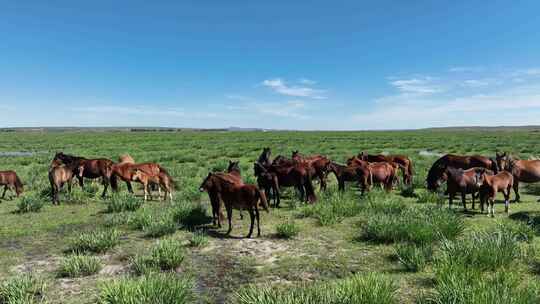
(319, 166)
(491, 185)
(463, 181)
(404, 161)
(525, 171)
(268, 181)
(359, 174)
(237, 196)
(264, 158)
(93, 168)
(435, 173)
(295, 175)
(10, 180)
(60, 174)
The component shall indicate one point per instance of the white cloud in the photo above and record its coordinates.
(416, 85)
(307, 81)
(465, 69)
(475, 83)
(278, 85)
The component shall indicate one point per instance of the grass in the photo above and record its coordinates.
(165, 255)
(414, 257)
(160, 226)
(198, 239)
(79, 265)
(23, 289)
(30, 203)
(163, 288)
(332, 208)
(190, 215)
(365, 289)
(120, 202)
(287, 230)
(97, 241)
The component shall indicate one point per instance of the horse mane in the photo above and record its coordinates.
(126, 159)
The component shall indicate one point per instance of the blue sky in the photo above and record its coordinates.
(275, 64)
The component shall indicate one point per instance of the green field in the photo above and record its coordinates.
(331, 245)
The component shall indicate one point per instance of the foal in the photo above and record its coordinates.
(501, 182)
(464, 182)
(10, 180)
(59, 174)
(163, 179)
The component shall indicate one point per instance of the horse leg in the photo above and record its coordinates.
(229, 217)
(322, 181)
(473, 197)
(4, 194)
(450, 199)
(463, 199)
(130, 188)
(492, 204)
(252, 218)
(258, 221)
(81, 181)
(276, 196)
(506, 199)
(106, 183)
(516, 190)
(341, 185)
(145, 188)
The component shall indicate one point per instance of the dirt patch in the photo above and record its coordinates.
(47, 264)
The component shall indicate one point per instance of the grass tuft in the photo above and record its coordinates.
(24, 289)
(97, 241)
(30, 203)
(414, 257)
(165, 255)
(120, 202)
(287, 230)
(79, 265)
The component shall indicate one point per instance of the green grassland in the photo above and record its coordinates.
(329, 244)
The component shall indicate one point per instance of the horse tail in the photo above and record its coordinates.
(18, 185)
(174, 184)
(113, 179)
(410, 169)
(310, 192)
(264, 201)
(163, 170)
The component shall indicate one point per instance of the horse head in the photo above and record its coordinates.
(502, 160)
(233, 166)
(207, 183)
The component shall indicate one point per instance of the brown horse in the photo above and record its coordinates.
(463, 181)
(125, 169)
(435, 173)
(10, 180)
(525, 171)
(163, 179)
(501, 182)
(382, 173)
(404, 161)
(60, 173)
(268, 181)
(93, 168)
(264, 158)
(295, 175)
(237, 196)
(319, 166)
(359, 174)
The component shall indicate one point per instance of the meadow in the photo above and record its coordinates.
(402, 247)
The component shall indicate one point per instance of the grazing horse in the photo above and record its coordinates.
(404, 161)
(237, 196)
(268, 181)
(163, 179)
(463, 181)
(525, 171)
(360, 174)
(501, 182)
(60, 173)
(93, 168)
(438, 168)
(382, 173)
(319, 166)
(10, 180)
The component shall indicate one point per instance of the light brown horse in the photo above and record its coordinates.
(405, 163)
(465, 182)
(163, 180)
(93, 168)
(491, 185)
(352, 173)
(125, 169)
(525, 171)
(10, 180)
(60, 174)
(237, 196)
(319, 166)
(435, 173)
(382, 173)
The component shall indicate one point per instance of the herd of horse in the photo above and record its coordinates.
(480, 176)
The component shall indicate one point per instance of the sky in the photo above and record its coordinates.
(307, 65)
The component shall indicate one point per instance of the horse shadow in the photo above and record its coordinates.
(214, 233)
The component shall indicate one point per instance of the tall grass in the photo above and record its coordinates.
(190, 214)
(165, 255)
(287, 230)
(30, 203)
(96, 241)
(414, 257)
(163, 288)
(119, 202)
(365, 289)
(79, 265)
(24, 289)
(332, 208)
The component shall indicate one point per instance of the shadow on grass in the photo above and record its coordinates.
(531, 218)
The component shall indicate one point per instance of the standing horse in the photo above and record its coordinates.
(463, 181)
(295, 175)
(93, 168)
(319, 166)
(163, 180)
(382, 173)
(435, 173)
(237, 196)
(525, 171)
(60, 173)
(10, 180)
(404, 161)
(268, 181)
(125, 169)
(359, 174)
(501, 182)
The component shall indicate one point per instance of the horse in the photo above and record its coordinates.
(463, 181)
(163, 179)
(60, 173)
(525, 171)
(237, 196)
(93, 168)
(438, 168)
(10, 180)
(268, 181)
(264, 158)
(501, 182)
(382, 173)
(295, 175)
(402, 160)
(319, 166)
(125, 169)
(360, 174)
